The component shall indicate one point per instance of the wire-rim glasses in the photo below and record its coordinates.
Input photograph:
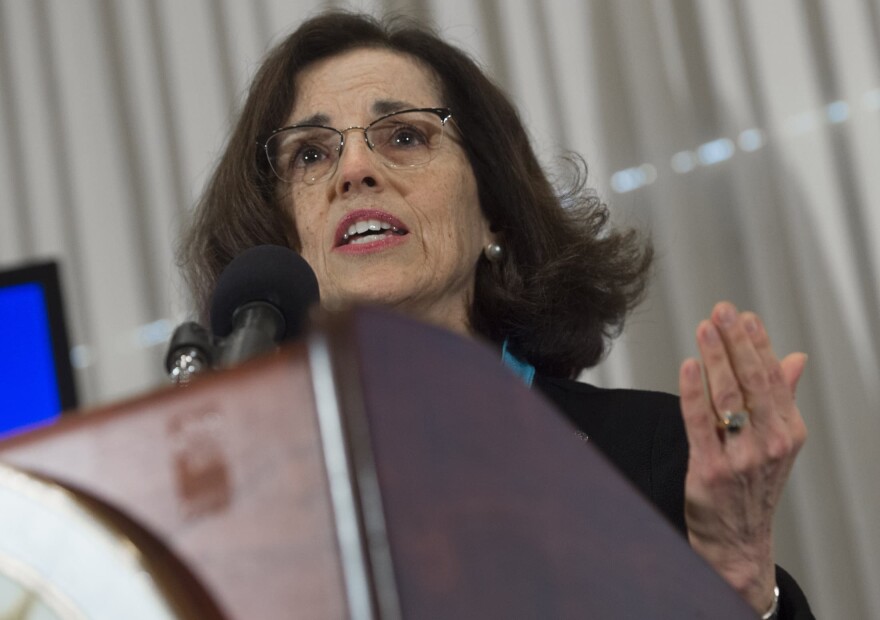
(310, 153)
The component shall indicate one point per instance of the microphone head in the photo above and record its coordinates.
(265, 273)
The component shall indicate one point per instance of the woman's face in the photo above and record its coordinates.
(426, 268)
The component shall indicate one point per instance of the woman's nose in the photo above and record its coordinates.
(357, 167)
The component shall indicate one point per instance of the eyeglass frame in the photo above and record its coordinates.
(444, 114)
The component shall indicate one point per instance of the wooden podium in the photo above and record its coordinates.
(380, 469)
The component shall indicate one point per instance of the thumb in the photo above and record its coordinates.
(792, 369)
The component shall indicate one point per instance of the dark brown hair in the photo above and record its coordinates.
(567, 279)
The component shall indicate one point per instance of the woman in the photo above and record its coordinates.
(404, 177)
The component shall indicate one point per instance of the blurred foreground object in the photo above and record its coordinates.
(381, 469)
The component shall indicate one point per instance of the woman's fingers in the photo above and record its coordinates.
(701, 424)
(724, 389)
(742, 373)
(745, 371)
(793, 366)
(785, 430)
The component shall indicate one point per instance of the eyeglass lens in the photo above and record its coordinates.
(308, 154)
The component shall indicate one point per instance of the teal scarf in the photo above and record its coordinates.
(521, 368)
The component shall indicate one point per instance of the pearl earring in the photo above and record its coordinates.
(493, 252)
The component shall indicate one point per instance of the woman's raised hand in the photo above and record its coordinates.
(744, 431)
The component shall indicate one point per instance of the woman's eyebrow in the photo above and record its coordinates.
(387, 106)
(380, 107)
(318, 118)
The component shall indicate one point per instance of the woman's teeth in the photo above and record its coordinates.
(367, 226)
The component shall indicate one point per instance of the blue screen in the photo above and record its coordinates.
(28, 385)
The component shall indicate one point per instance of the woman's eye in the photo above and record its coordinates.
(407, 137)
(308, 155)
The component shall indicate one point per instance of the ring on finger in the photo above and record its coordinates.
(734, 421)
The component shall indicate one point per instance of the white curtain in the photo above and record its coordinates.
(744, 134)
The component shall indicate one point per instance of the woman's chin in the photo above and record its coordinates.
(373, 296)
(452, 316)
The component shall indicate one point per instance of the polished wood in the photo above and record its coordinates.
(227, 471)
(494, 507)
(476, 498)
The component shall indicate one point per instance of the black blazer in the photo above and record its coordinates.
(642, 434)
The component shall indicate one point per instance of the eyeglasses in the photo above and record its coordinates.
(310, 153)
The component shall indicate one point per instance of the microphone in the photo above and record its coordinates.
(190, 352)
(261, 299)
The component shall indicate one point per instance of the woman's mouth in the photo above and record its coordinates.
(368, 230)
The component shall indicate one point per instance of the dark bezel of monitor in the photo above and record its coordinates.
(45, 274)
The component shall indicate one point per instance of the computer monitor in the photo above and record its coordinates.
(36, 375)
